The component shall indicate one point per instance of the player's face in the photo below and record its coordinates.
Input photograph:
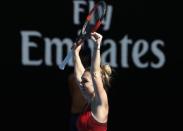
(87, 85)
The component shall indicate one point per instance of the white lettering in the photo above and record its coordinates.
(59, 50)
(158, 53)
(124, 53)
(26, 45)
(111, 52)
(77, 10)
(137, 54)
(129, 49)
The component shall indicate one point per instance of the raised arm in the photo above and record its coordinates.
(78, 66)
(100, 92)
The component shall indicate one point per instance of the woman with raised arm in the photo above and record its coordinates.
(93, 83)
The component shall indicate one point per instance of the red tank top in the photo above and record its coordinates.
(86, 122)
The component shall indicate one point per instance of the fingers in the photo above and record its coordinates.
(77, 46)
(96, 37)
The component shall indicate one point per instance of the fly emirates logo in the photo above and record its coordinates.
(122, 53)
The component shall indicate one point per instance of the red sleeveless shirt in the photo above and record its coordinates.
(86, 122)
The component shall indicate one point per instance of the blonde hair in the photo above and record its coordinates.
(106, 72)
(106, 75)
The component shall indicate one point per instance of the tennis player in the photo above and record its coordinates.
(93, 83)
